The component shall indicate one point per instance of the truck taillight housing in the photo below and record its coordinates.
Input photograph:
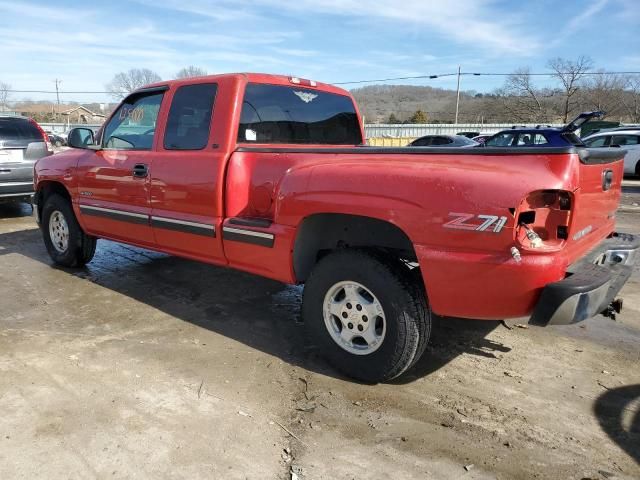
(542, 220)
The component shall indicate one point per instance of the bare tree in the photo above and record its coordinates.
(631, 98)
(191, 71)
(604, 92)
(521, 99)
(569, 73)
(124, 83)
(4, 94)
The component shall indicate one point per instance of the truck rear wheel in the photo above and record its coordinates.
(66, 243)
(366, 314)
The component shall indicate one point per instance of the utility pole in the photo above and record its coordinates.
(58, 82)
(458, 95)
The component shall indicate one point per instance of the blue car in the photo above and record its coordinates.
(542, 136)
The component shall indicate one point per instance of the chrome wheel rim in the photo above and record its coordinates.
(354, 318)
(59, 231)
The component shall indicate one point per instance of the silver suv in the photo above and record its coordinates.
(22, 142)
(627, 139)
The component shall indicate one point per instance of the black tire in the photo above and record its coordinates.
(80, 247)
(406, 312)
(638, 169)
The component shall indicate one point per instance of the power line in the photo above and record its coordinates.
(482, 74)
(414, 77)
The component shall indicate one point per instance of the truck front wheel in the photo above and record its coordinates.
(66, 243)
(367, 315)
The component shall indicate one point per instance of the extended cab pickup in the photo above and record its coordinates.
(270, 175)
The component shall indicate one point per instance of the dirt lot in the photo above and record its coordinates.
(149, 366)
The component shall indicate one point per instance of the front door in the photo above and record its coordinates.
(113, 183)
(188, 169)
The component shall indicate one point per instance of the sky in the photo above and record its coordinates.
(85, 44)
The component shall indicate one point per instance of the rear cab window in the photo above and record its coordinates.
(296, 115)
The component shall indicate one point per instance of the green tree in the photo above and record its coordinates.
(419, 117)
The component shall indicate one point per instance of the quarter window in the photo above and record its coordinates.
(189, 119)
(623, 140)
(133, 125)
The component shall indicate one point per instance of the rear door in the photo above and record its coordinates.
(21, 144)
(187, 177)
(630, 143)
(113, 183)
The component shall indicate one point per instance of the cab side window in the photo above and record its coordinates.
(597, 142)
(133, 125)
(421, 142)
(189, 119)
(441, 141)
(623, 140)
(539, 139)
(500, 140)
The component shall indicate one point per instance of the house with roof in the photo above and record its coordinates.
(51, 112)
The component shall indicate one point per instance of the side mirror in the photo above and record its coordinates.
(81, 138)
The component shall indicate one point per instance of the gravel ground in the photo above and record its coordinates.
(149, 366)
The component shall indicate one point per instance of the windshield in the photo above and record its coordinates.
(282, 114)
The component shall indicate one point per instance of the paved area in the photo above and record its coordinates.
(147, 366)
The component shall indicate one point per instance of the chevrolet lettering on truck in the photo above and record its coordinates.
(271, 175)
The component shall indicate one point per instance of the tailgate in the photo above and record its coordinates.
(14, 167)
(597, 197)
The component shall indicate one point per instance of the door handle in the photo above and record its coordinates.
(140, 170)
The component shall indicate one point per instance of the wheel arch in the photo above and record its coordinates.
(47, 188)
(321, 233)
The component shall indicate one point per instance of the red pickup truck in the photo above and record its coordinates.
(271, 175)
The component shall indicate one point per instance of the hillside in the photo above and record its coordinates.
(377, 102)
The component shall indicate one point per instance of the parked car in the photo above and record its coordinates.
(273, 178)
(56, 139)
(22, 142)
(443, 141)
(626, 138)
(542, 136)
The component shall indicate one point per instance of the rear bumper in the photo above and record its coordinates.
(591, 284)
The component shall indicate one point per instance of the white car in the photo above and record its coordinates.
(626, 139)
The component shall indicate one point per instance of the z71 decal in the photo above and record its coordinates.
(478, 223)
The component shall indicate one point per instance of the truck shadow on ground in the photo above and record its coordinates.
(260, 313)
(618, 411)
